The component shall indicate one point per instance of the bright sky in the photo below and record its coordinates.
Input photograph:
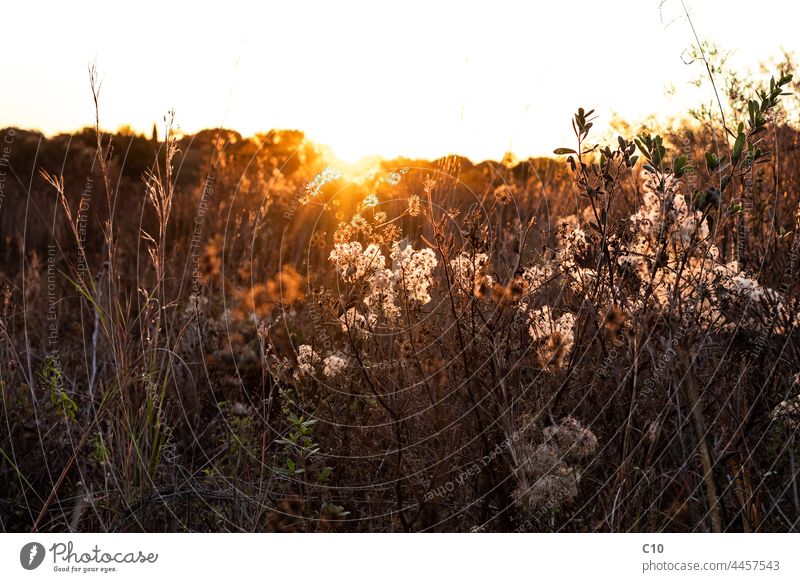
(420, 79)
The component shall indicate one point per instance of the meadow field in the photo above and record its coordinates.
(212, 332)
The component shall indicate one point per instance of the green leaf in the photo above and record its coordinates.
(712, 161)
(680, 166)
(563, 151)
(734, 208)
(738, 146)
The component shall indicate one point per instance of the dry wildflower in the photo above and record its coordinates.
(533, 280)
(356, 323)
(370, 201)
(388, 234)
(318, 239)
(668, 238)
(535, 277)
(558, 335)
(560, 343)
(307, 360)
(539, 323)
(503, 195)
(381, 298)
(574, 245)
(333, 366)
(359, 223)
(550, 491)
(414, 205)
(745, 287)
(413, 271)
(665, 213)
(314, 187)
(469, 272)
(547, 472)
(788, 412)
(746, 298)
(571, 439)
(354, 262)
(393, 178)
(581, 279)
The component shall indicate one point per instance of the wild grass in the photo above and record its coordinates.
(228, 334)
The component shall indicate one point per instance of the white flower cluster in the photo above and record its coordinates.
(664, 223)
(370, 201)
(534, 280)
(411, 272)
(326, 176)
(738, 283)
(549, 473)
(356, 323)
(574, 246)
(307, 360)
(573, 243)
(382, 295)
(673, 255)
(666, 213)
(354, 262)
(537, 276)
(469, 271)
(334, 365)
(559, 334)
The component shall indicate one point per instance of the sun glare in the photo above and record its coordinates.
(350, 152)
(353, 165)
